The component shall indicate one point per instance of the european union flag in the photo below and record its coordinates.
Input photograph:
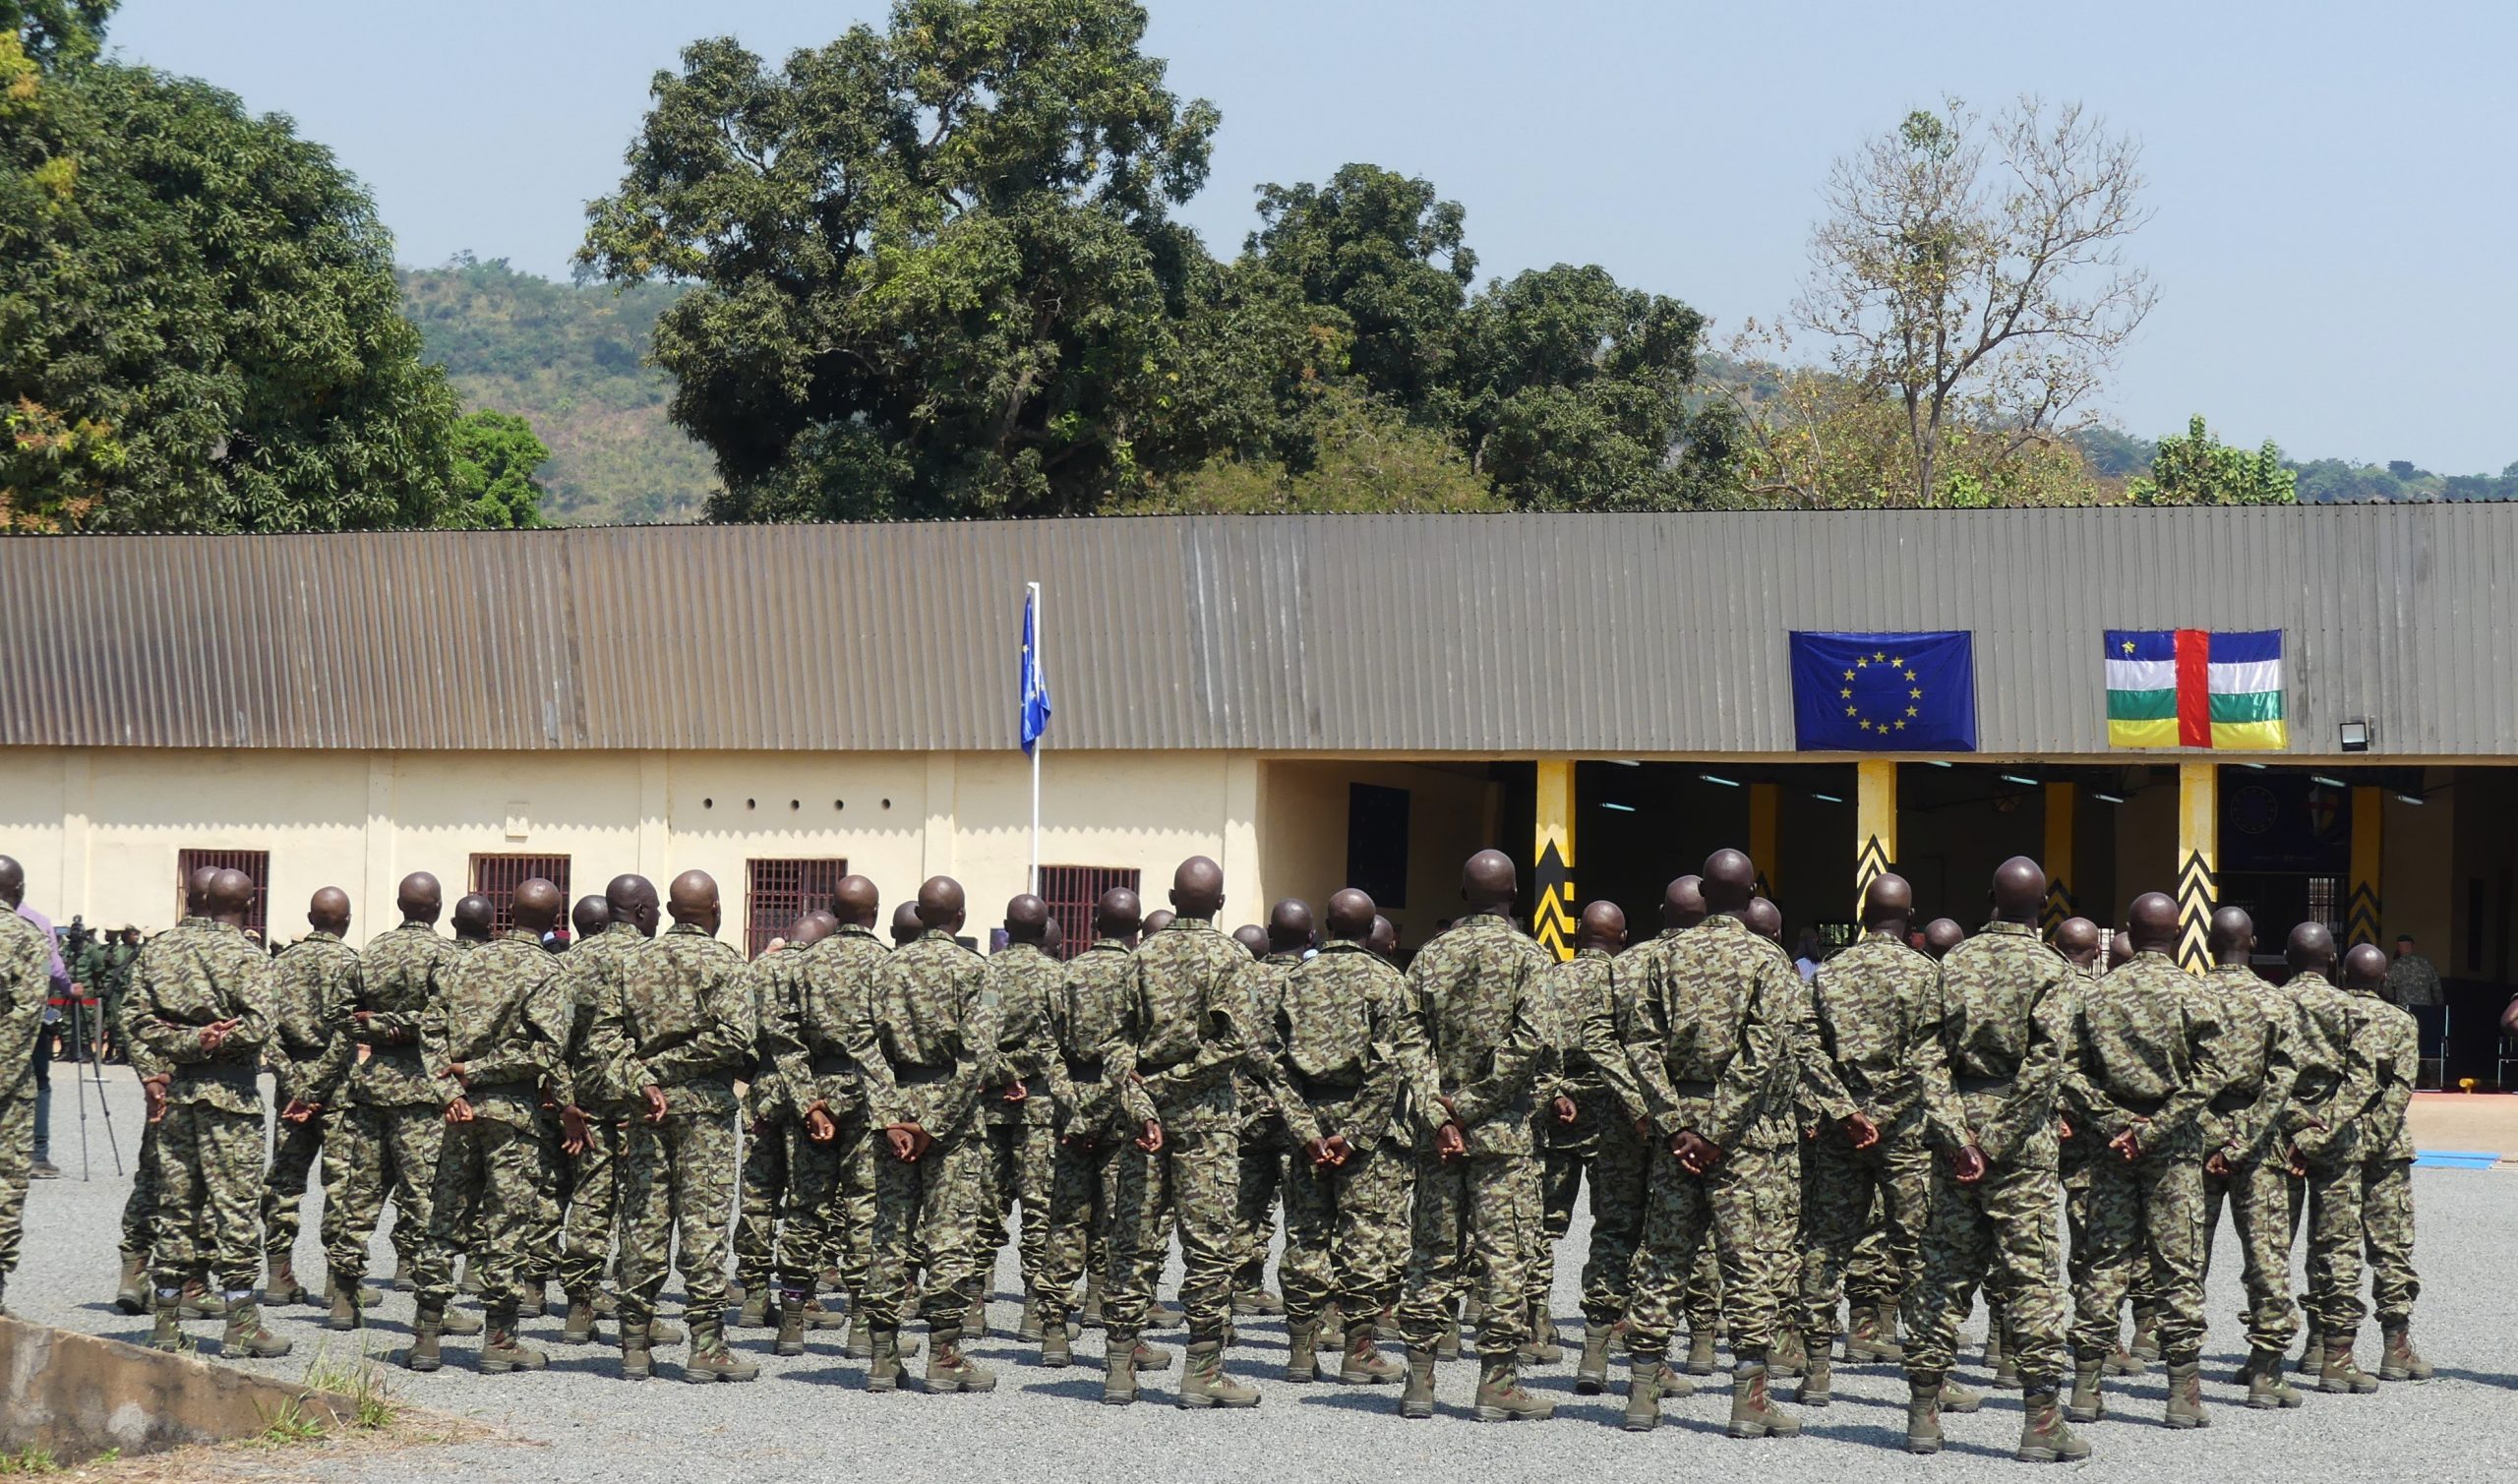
(1036, 684)
(1883, 692)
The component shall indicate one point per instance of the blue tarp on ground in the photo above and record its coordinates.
(2455, 1159)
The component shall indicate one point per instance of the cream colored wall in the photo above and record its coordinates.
(1303, 833)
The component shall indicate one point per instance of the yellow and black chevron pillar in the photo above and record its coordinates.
(1552, 917)
(1765, 806)
(2369, 845)
(1875, 823)
(2062, 804)
(2199, 861)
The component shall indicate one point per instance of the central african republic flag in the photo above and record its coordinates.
(2188, 687)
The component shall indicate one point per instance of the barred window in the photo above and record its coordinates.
(778, 891)
(254, 864)
(498, 876)
(1070, 892)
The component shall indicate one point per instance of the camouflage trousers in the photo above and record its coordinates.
(2263, 1201)
(930, 1207)
(675, 1178)
(2362, 1206)
(210, 1162)
(298, 1150)
(593, 1214)
(1188, 1187)
(1612, 1163)
(1346, 1233)
(1021, 1164)
(17, 1167)
(2145, 1215)
(1477, 1221)
(388, 1150)
(488, 1177)
(1084, 1191)
(1998, 1234)
(2387, 1226)
(1266, 1146)
(1881, 1195)
(764, 1189)
(140, 1211)
(554, 1175)
(1738, 1207)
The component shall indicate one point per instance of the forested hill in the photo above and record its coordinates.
(569, 358)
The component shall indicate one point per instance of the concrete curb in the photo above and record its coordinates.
(78, 1395)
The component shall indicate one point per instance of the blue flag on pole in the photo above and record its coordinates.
(1883, 692)
(1036, 684)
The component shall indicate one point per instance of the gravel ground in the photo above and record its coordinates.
(809, 1417)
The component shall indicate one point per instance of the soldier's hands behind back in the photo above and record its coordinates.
(1566, 1111)
(1151, 1140)
(1865, 1132)
(1695, 1153)
(655, 1099)
(819, 1125)
(1450, 1142)
(1967, 1166)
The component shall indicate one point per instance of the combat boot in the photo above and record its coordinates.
(1818, 1382)
(1089, 1314)
(1364, 1363)
(2122, 1362)
(1119, 1372)
(131, 1292)
(467, 1278)
(1386, 1325)
(348, 1309)
(1057, 1349)
(579, 1329)
(464, 1321)
(1995, 1354)
(1785, 1358)
(607, 1305)
(1642, 1394)
(2267, 1388)
(167, 1333)
(2185, 1396)
(882, 1359)
(1501, 1396)
(2089, 1397)
(2312, 1352)
(860, 1342)
(1203, 1382)
(1543, 1347)
(246, 1334)
(1591, 1372)
(2338, 1376)
(280, 1287)
(2043, 1436)
(1922, 1415)
(532, 1300)
(1873, 1337)
(1699, 1361)
(1302, 1352)
(1675, 1387)
(637, 1351)
(1957, 1398)
(821, 1316)
(1753, 1413)
(659, 1331)
(975, 1317)
(200, 1303)
(2399, 1360)
(791, 1324)
(426, 1328)
(1027, 1328)
(1149, 1357)
(1417, 1398)
(1257, 1300)
(1333, 1319)
(2007, 1374)
(710, 1359)
(2146, 1337)
(755, 1311)
(401, 1273)
(502, 1351)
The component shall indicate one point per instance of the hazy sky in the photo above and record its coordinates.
(2336, 187)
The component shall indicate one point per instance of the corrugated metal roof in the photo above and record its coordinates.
(1511, 635)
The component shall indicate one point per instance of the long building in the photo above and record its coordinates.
(1312, 700)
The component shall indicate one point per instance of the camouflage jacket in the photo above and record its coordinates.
(782, 1081)
(2261, 1041)
(2003, 1016)
(1024, 980)
(506, 1016)
(1629, 972)
(315, 984)
(400, 972)
(216, 973)
(596, 971)
(1807, 1091)
(1704, 1032)
(155, 957)
(1477, 1031)
(2146, 1051)
(2395, 1041)
(105, 968)
(1267, 982)
(1182, 1034)
(26, 985)
(1088, 1019)
(1873, 1002)
(681, 1021)
(1578, 990)
(2412, 980)
(834, 1059)
(935, 1023)
(2337, 1073)
(1335, 1035)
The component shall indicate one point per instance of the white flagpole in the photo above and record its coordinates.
(1037, 742)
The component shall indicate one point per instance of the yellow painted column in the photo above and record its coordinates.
(2369, 845)
(1552, 917)
(1765, 808)
(2199, 861)
(1875, 823)
(2063, 805)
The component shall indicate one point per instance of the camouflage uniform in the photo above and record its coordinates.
(507, 1017)
(140, 1214)
(597, 969)
(1178, 1040)
(1087, 1017)
(1871, 1002)
(397, 1124)
(2002, 1019)
(826, 1054)
(935, 1027)
(1609, 1103)
(772, 1120)
(681, 1021)
(1336, 1037)
(1810, 1104)
(1703, 1026)
(315, 984)
(26, 985)
(2386, 1164)
(1475, 1041)
(1266, 1143)
(1022, 1137)
(210, 1152)
(2337, 1087)
(2251, 1124)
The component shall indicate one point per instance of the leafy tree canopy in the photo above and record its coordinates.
(2199, 469)
(1384, 251)
(496, 455)
(57, 33)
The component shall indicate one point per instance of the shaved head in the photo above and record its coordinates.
(2232, 935)
(1158, 919)
(589, 916)
(855, 902)
(807, 929)
(829, 924)
(473, 916)
(2365, 966)
(905, 924)
(232, 896)
(1027, 919)
(1197, 888)
(2076, 938)
(13, 881)
(2120, 946)
(328, 911)
(1764, 918)
(536, 905)
(1888, 904)
(1118, 915)
(1489, 881)
(632, 899)
(1053, 935)
(1384, 937)
(1683, 903)
(2310, 949)
(2152, 922)
(940, 906)
(1290, 925)
(1254, 937)
(1602, 927)
(419, 898)
(1940, 935)
(1730, 880)
(1350, 915)
(197, 890)
(2020, 890)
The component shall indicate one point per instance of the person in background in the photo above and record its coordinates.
(2412, 980)
(43, 1168)
(1806, 954)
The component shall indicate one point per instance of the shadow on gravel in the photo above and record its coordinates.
(2479, 1378)
(1076, 1387)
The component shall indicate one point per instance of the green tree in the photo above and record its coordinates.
(57, 33)
(1360, 456)
(2199, 469)
(1386, 252)
(198, 324)
(935, 267)
(496, 455)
